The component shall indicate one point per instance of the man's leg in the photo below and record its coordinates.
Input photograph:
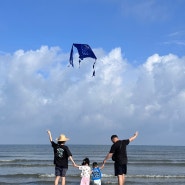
(121, 179)
(63, 180)
(56, 180)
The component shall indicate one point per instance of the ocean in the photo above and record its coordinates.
(33, 164)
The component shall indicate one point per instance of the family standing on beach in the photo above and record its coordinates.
(117, 152)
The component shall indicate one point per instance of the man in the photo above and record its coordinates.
(61, 155)
(119, 155)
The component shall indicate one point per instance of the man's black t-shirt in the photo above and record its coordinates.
(61, 154)
(119, 151)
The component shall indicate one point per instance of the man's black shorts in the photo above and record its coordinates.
(120, 169)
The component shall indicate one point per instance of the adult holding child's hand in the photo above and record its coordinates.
(118, 154)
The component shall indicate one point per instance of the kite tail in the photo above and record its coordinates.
(93, 73)
(71, 57)
(79, 62)
(94, 68)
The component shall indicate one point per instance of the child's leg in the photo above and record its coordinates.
(85, 181)
(97, 182)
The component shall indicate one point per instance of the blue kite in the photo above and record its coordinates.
(84, 51)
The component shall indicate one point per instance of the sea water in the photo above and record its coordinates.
(33, 164)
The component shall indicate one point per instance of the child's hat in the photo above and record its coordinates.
(62, 137)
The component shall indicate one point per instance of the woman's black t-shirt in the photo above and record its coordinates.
(61, 154)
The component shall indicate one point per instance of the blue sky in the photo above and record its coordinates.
(141, 28)
(139, 83)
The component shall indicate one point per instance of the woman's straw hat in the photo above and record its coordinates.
(62, 137)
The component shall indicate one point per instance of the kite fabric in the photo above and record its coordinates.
(84, 51)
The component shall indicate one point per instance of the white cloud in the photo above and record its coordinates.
(38, 91)
(151, 10)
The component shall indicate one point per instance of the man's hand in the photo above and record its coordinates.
(134, 136)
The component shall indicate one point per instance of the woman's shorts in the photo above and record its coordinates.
(60, 171)
(120, 169)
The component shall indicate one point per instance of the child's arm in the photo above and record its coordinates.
(102, 166)
(75, 165)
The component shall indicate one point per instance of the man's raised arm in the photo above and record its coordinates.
(133, 137)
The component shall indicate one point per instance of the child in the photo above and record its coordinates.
(96, 173)
(86, 172)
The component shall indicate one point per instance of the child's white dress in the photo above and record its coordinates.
(85, 174)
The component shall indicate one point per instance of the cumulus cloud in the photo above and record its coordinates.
(39, 91)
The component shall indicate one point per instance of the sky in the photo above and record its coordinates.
(140, 71)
